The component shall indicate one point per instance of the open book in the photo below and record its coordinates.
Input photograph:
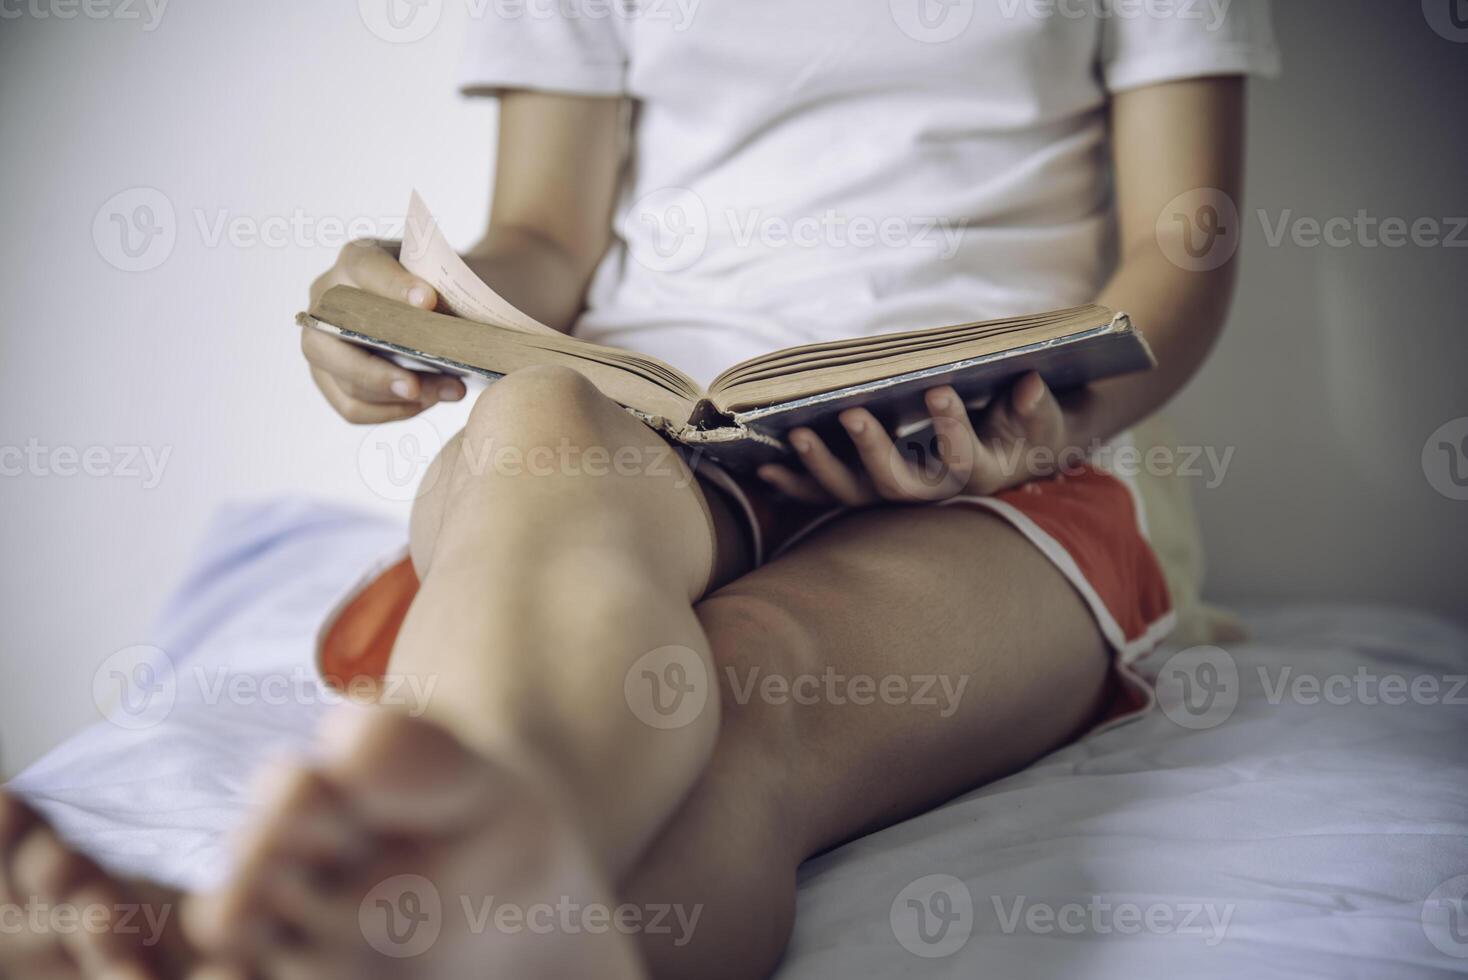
(741, 416)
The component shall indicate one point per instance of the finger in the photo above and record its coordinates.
(893, 476)
(362, 375)
(432, 389)
(1030, 413)
(360, 412)
(371, 267)
(794, 485)
(834, 476)
(953, 431)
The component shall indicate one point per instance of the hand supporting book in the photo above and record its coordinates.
(743, 415)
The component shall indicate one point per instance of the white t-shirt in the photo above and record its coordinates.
(802, 170)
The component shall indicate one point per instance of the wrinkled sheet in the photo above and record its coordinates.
(1303, 831)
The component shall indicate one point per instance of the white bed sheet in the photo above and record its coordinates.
(1320, 831)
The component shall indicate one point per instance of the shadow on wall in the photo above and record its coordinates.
(1340, 380)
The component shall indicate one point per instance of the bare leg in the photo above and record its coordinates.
(548, 573)
(67, 919)
(952, 593)
(561, 548)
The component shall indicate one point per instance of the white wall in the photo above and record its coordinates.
(1338, 364)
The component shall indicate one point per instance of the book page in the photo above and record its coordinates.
(430, 257)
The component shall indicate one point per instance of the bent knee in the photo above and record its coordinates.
(538, 397)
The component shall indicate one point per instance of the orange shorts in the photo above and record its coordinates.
(1086, 522)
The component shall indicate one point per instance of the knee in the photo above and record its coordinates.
(537, 394)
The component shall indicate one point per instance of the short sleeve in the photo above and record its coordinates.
(1144, 42)
(532, 44)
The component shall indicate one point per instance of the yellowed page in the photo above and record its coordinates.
(430, 257)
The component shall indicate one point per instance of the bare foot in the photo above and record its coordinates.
(64, 918)
(407, 855)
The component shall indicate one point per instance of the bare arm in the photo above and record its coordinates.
(1168, 140)
(555, 180)
(554, 185)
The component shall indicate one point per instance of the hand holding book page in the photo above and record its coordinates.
(742, 416)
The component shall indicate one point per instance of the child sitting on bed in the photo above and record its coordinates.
(593, 735)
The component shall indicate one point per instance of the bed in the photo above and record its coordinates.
(1304, 828)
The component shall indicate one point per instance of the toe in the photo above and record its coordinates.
(15, 816)
(305, 826)
(314, 910)
(46, 868)
(110, 936)
(408, 775)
